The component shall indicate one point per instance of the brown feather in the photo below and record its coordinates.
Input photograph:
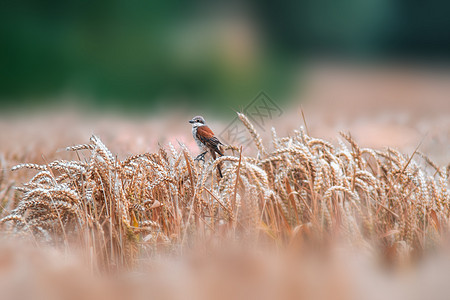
(205, 132)
(206, 136)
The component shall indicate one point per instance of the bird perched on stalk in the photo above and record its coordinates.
(205, 139)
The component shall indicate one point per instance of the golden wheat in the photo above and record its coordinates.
(120, 209)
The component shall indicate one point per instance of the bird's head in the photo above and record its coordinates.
(197, 121)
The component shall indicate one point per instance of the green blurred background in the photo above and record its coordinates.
(138, 55)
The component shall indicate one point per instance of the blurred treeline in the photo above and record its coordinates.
(135, 54)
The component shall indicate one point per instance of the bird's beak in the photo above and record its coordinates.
(190, 121)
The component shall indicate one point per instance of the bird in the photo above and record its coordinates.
(206, 140)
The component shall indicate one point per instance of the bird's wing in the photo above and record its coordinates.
(206, 136)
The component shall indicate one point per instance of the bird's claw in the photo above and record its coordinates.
(200, 157)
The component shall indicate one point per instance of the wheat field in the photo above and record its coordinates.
(297, 194)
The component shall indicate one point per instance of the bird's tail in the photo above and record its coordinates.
(213, 153)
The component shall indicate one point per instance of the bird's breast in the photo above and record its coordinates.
(194, 134)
